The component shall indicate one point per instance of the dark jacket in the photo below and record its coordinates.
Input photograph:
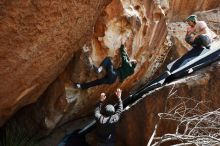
(126, 69)
(106, 124)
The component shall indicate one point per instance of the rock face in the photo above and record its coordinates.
(120, 22)
(38, 39)
(46, 46)
(138, 123)
(179, 10)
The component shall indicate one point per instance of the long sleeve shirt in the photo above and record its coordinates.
(106, 124)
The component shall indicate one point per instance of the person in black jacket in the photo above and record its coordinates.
(106, 122)
(126, 69)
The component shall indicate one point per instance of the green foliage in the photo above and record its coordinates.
(12, 135)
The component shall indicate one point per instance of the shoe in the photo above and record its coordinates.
(96, 69)
(77, 85)
(190, 70)
(208, 47)
(100, 69)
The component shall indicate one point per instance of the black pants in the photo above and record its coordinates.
(201, 40)
(109, 78)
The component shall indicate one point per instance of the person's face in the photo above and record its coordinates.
(190, 23)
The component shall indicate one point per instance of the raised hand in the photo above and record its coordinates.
(118, 93)
(102, 97)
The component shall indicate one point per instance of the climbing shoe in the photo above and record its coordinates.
(77, 85)
(97, 69)
(208, 47)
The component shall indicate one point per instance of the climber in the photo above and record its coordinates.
(198, 34)
(126, 69)
(107, 121)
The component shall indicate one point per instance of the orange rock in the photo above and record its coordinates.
(38, 40)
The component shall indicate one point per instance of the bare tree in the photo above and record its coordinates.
(196, 123)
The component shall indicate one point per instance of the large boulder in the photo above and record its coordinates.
(38, 39)
(119, 22)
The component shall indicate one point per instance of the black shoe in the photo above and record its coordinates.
(208, 47)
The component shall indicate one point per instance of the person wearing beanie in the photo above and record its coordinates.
(198, 34)
(106, 122)
(126, 69)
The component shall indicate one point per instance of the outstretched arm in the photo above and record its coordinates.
(97, 111)
(98, 114)
(120, 105)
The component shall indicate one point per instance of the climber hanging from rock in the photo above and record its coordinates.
(198, 34)
(126, 69)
